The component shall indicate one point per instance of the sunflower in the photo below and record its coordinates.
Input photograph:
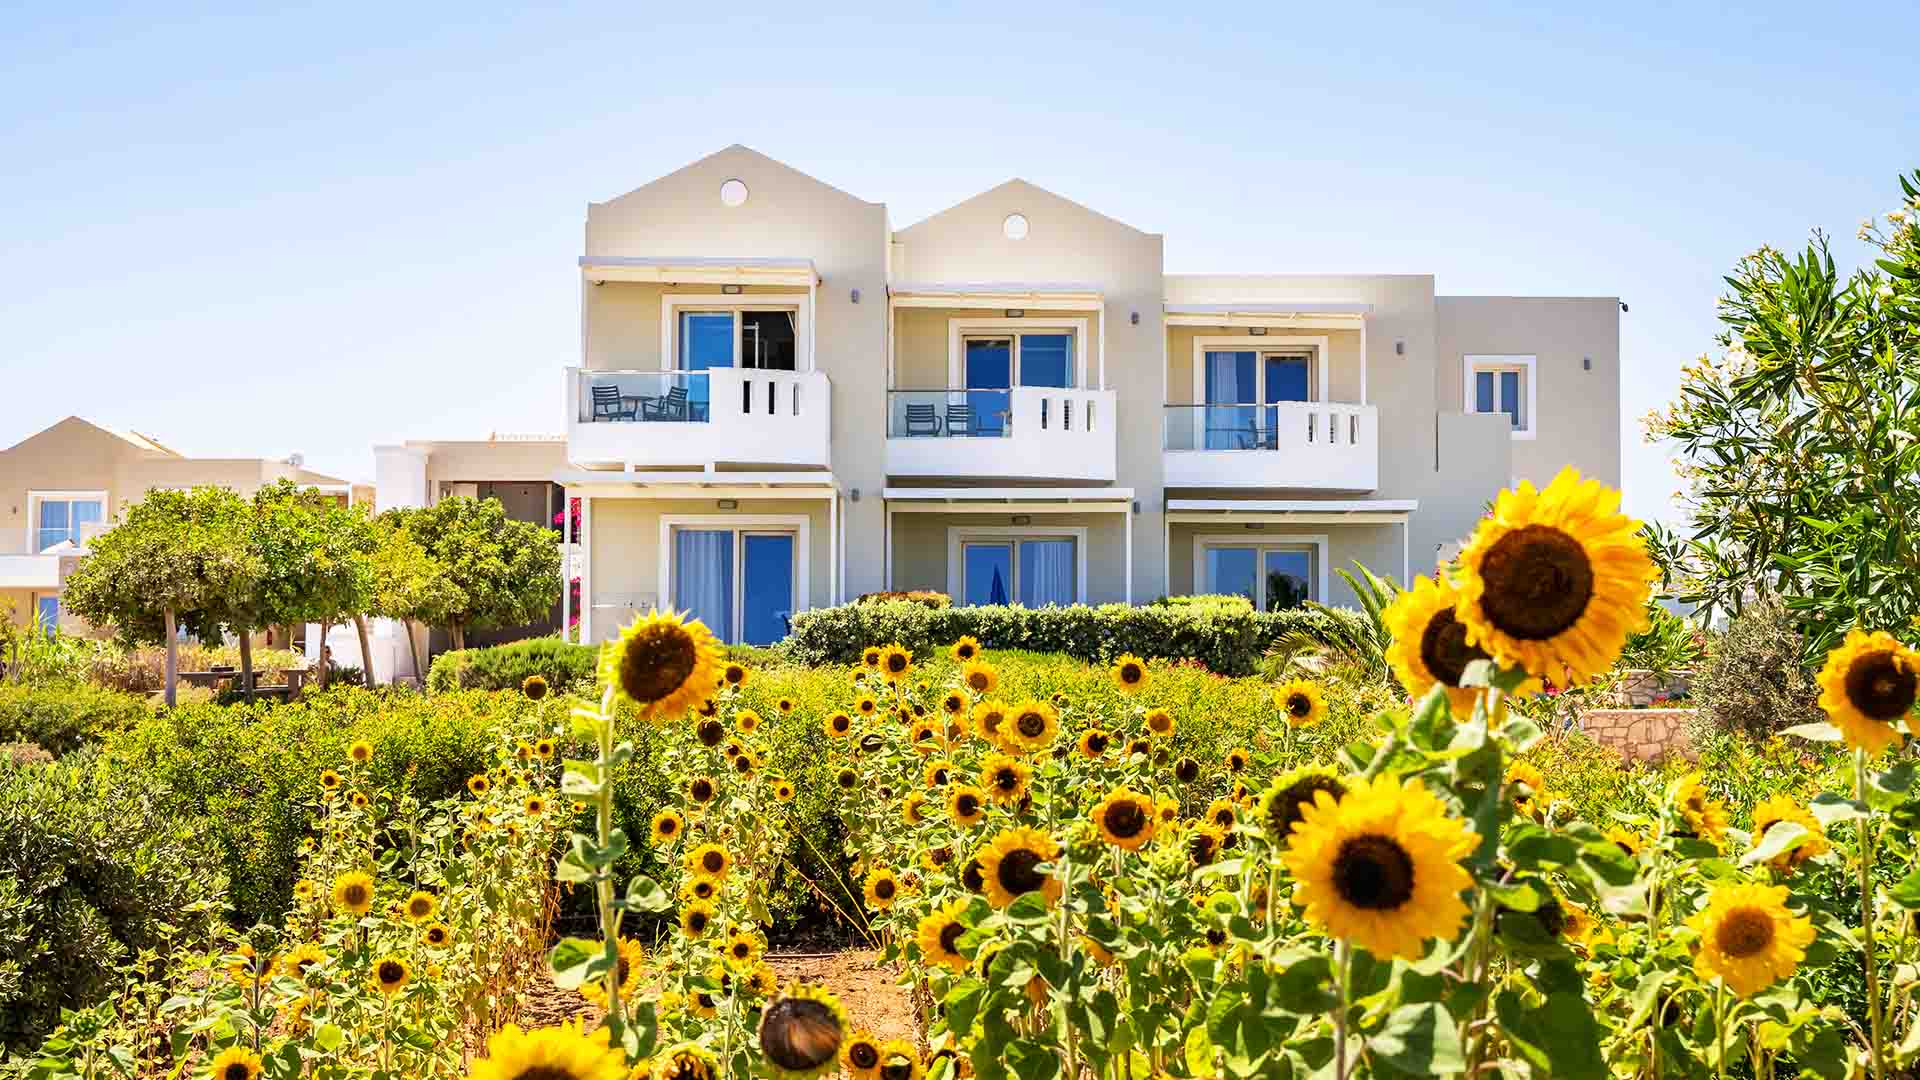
(1281, 805)
(629, 968)
(899, 1061)
(1777, 808)
(329, 780)
(391, 974)
(479, 783)
(420, 906)
(1237, 759)
(967, 805)
(763, 981)
(1142, 747)
(305, 890)
(1523, 775)
(1125, 818)
(1748, 937)
(535, 805)
(896, 663)
(923, 735)
(882, 888)
(861, 1056)
(353, 892)
(437, 935)
(695, 918)
(839, 725)
(235, 1063)
(1094, 744)
(939, 936)
(1167, 810)
(1221, 812)
(544, 749)
(1159, 723)
(786, 705)
(1705, 817)
(746, 763)
(913, 811)
(979, 677)
(866, 704)
(1380, 867)
(1129, 673)
(990, 720)
(1204, 841)
(1430, 644)
(783, 790)
(747, 721)
(295, 962)
(361, 751)
(1031, 727)
(358, 799)
(1186, 770)
(733, 673)
(1009, 866)
(701, 789)
(709, 861)
(802, 1032)
(249, 964)
(847, 779)
(566, 1052)
(870, 656)
(534, 686)
(661, 663)
(743, 949)
(1868, 685)
(733, 749)
(1005, 779)
(1626, 839)
(1555, 579)
(965, 649)
(954, 703)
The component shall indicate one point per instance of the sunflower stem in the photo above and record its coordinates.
(603, 877)
(1342, 969)
(1720, 1027)
(1866, 919)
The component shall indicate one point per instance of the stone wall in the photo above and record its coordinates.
(1639, 734)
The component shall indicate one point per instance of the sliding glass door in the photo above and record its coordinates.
(739, 582)
(1273, 577)
(1241, 385)
(1034, 571)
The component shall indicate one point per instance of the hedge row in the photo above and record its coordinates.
(505, 667)
(1226, 636)
(61, 718)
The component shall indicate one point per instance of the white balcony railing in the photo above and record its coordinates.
(730, 415)
(1026, 433)
(67, 541)
(1316, 445)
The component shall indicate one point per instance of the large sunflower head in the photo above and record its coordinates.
(744, 949)
(990, 719)
(235, 1063)
(1281, 805)
(437, 935)
(733, 673)
(421, 906)
(566, 1052)
(866, 704)
(1430, 642)
(696, 919)
(782, 790)
(896, 663)
(954, 703)
(1129, 673)
(937, 773)
(1555, 579)
(802, 1032)
(534, 686)
(709, 861)
(1868, 686)
(861, 1056)
(1702, 815)
(391, 974)
(967, 805)
(297, 960)
(1094, 744)
(979, 677)
(1238, 759)
(662, 663)
(701, 790)
(870, 657)
(1748, 937)
(838, 725)
(939, 936)
(965, 649)
(846, 779)
(1125, 818)
(747, 721)
(1005, 778)
(1380, 867)
(1186, 770)
(1301, 702)
(667, 826)
(1010, 866)
(1203, 843)
(882, 888)
(1159, 723)
(1777, 808)
(353, 892)
(360, 752)
(545, 749)
(1030, 727)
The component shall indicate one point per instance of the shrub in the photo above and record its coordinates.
(505, 667)
(94, 867)
(1755, 678)
(62, 718)
(1225, 637)
(935, 600)
(143, 670)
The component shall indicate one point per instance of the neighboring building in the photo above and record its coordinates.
(65, 485)
(782, 402)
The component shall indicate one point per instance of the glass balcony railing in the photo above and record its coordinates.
(644, 397)
(949, 414)
(1259, 427)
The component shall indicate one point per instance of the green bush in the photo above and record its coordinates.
(95, 866)
(62, 718)
(1755, 678)
(1223, 636)
(505, 667)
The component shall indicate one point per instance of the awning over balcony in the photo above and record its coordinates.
(1328, 314)
(700, 270)
(1009, 500)
(1039, 296)
(1301, 511)
(697, 483)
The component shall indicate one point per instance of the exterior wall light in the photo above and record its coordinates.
(729, 504)
(1023, 519)
(730, 290)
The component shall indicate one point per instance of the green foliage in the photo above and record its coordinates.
(505, 667)
(94, 868)
(61, 719)
(1222, 635)
(1755, 678)
(317, 556)
(183, 552)
(501, 572)
(1669, 644)
(1361, 641)
(1801, 445)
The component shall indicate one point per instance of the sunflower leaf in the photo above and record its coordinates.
(1420, 1039)
(1831, 809)
(1821, 731)
(572, 961)
(1907, 892)
(1780, 838)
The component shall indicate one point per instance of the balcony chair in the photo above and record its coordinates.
(608, 404)
(671, 407)
(922, 420)
(960, 420)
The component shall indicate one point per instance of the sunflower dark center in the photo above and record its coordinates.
(668, 826)
(355, 895)
(1201, 846)
(656, 662)
(840, 723)
(950, 936)
(799, 1034)
(702, 790)
(1130, 672)
(1097, 742)
(1284, 814)
(1125, 819)
(1031, 724)
(1216, 936)
(1879, 685)
(977, 681)
(1223, 817)
(236, 1071)
(1299, 705)
(966, 804)
(1187, 770)
(848, 778)
(939, 778)
(743, 764)
(711, 732)
(391, 971)
(435, 935)
(736, 673)
(1006, 780)
(863, 1055)
(884, 888)
(1017, 873)
(974, 876)
(1538, 582)
(697, 921)
(419, 908)
(713, 862)
(896, 663)
(897, 1070)
(1444, 649)
(1373, 872)
(1744, 932)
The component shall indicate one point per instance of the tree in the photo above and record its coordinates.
(1802, 443)
(409, 586)
(506, 572)
(318, 556)
(181, 558)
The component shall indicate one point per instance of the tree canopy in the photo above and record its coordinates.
(502, 572)
(184, 552)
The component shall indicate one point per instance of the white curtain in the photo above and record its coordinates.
(703, 577)
(1046, 572)
(1223, 389)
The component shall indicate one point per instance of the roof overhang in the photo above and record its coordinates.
(1295, 511)
(699, 270)
(691, 484)
(1006, 500)
(1321, 314)
(1040, 296)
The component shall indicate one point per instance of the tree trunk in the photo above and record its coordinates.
(366, 652)
(173, 657)
(459, 635)
(326, 660)
(413, 652)
(246, 665)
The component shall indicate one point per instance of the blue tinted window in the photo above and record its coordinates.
(49, 609)
(1046, 360)
(989, 363)
(1288, 577)
(1047, 572)
(988, 573)
(1286, 378)
(1230, 378)
(768, 588)
(1483, 391)
(1510, 397)
(706, 340)
(1232, 571)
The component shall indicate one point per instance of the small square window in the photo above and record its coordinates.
(1503, 384)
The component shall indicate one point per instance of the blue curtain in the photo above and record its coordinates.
(703, 578)
(1046, 572)
(1230, 390)
(985, 572)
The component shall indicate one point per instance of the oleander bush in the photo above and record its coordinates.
(60, 718)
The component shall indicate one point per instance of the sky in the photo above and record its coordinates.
(254, 233)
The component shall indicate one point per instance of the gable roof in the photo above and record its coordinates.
(1026, 192)
(131, 438)
(746, 154)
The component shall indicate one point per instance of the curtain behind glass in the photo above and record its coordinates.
(1046, 572)
(703, 577)
(1230, 388)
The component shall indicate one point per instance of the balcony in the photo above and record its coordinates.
(1309, 445)
(31, 559)
(1026, 433)
(701, 418)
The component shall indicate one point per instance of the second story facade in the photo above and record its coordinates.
(782, 402)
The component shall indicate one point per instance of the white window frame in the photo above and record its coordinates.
(958, 536)
(35, 498)
(1262, 542)
(1316, 370)
(959, 330)
(674, 305)
(1493, 362)
(799, 526)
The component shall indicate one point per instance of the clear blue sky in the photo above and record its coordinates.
(251, 234)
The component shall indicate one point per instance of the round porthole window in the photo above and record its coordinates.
(733, 192)
(1015, 226)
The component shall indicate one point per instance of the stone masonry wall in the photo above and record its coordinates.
(1639, 734)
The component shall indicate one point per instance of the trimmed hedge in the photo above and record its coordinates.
(62, 718)
(1224, 634)
(505, 667)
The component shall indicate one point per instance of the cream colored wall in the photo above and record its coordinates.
(133, 479)
(921, 355)
(499, 462)
(72, 455)
(920, 549)
(1343, 358)
(624, 320)
(624, 547)
(1576, 409)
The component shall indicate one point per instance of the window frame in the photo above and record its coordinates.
(959, 536)
(1316, 349)
(674, 305)
(959, 330)
(798, 526)
(1525, 365)
(37, 499)
(1260, 543)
